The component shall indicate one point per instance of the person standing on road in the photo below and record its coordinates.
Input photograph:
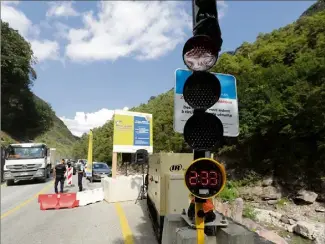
(59, 174)
(80, 170)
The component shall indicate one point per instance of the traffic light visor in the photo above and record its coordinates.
(200, 53)
(202, 90)
(202, 131)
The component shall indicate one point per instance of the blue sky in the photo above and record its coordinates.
(94, 57)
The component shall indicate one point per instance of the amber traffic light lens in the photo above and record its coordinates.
(202, 90)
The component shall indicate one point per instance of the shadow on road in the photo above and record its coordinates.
(30, 182)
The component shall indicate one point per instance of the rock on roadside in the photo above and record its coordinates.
(311, 230)
(307, 197)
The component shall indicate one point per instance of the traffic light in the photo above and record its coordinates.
(205, 177)
(202, 131)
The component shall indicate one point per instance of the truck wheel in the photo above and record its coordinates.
(9, 182)
(48, 174)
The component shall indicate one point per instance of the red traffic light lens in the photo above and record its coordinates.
(202, 90)
(200, 53)
(203, 131)
(205, 178)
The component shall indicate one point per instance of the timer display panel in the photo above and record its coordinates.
(205, 178)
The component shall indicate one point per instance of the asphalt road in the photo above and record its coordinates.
(22, 221)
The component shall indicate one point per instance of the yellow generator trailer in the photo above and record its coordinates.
(166, 192)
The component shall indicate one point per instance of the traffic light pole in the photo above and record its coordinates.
(201, 91)
(199, 220)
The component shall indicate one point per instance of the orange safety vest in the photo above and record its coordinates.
(207, 206)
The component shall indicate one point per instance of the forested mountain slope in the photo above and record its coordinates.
(281, 92)
(24, 116)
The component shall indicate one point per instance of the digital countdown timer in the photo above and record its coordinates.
(205, 178)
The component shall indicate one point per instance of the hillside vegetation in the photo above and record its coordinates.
(281, 92)
(24, 116)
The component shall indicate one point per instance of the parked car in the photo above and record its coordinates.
(100, 170)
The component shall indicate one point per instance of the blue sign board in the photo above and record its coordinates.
(141, 131)
(226, 109)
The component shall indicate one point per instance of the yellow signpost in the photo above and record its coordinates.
(132, 131)
(199, 222)
(89, 170)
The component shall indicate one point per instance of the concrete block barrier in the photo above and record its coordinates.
(122, 188)
(234, 234)
(176, 231)
(97, 194)
(172, 224)
(90, 196)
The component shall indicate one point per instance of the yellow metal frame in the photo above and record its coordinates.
(199, 222)
(90, 153)
(223, 172)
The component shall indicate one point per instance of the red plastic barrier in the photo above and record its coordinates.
(68, 200)
(57, 201)
(48, 201)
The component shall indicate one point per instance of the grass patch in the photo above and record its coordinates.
(229, 192)
(250, 180)
(282, 202)
(249, 212)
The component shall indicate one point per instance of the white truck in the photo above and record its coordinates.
(52, 158)
(27, 161)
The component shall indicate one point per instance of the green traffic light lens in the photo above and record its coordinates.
(202, 90)
(203, 131)
(200, 53)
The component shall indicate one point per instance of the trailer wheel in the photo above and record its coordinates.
(9, 182)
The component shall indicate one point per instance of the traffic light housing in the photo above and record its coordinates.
(202, 131)
(201, 51)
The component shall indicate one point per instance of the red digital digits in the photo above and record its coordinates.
(193, 178)
(213, 178)
(206, 178)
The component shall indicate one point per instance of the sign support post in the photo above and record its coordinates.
(201, 90)
(89, 170)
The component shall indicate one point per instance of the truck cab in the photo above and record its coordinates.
(27, 161)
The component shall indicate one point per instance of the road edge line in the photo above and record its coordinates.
(126, 230)
(10, 211)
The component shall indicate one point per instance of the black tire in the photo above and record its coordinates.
(10, 182)
(48, 173)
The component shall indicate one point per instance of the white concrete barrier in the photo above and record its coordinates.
(84, 197)
(98, 194)
(90, 196)
(122, 188)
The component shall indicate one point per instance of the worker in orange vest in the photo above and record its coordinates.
(208, 210)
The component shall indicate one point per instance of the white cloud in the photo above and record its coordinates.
(43, 49)
(145, 30)
(222, 9)
(83, 122)
(15, 18)
(61, 9)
